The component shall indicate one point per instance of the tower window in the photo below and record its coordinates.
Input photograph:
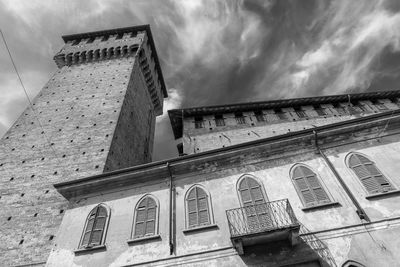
(219, 120)
(94, 232)
(198, 122)
(239, 118)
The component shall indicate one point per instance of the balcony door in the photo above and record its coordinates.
(256, 209)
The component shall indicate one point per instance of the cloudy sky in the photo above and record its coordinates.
(215, 52)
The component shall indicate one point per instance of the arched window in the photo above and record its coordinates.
(250, 191)
(370, 176)
(146, 218)
(198, 207)
(351, 263)
(308, 186)
(257, 212)
(94, 233)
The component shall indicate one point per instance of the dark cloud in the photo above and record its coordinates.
(216, 52)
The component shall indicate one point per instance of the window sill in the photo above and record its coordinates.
(321, 206)
(378, 195)
(200, 228)
(83, 250)
(140, 239)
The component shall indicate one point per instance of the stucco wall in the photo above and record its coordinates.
(196, 140)
(336, 231)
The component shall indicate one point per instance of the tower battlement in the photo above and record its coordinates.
(86, 48)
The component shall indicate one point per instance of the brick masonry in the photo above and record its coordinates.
(93, 117)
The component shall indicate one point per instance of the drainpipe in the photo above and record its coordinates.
(171, 213)
(360, 211)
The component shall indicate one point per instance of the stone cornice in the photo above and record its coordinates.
(176, 115)
(341, 133)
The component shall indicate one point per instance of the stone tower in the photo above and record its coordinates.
(96, 114)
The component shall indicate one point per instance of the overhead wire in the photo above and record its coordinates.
(28, 98)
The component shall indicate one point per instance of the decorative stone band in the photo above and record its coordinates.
(81, 57)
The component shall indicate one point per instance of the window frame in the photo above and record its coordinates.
(209, 206)
(156, 222)
(219, 120)
(347, 162)
(349, 263)
(320, 181)
(240, 118)
(105, 228)
(241, 178)
(199, 122)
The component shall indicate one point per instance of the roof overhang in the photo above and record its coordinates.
(176, 115)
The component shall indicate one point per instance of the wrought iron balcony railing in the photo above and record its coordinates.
(261, 218)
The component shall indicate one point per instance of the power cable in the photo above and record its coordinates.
(27, 97)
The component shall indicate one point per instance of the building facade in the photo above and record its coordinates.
(324, 196)
(96, 114)
(297, 182)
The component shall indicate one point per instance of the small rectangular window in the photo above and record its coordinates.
(339, 108)
(379, 105)
(281, 115)
(105, 38)
(198, 122)
(239, 118)
(219, 120)
(300, 113)
(119, 36)
(259, 115)
(320, 110)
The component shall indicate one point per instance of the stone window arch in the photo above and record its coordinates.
(198, 207)
(95, 230)
(146, 217)
(308, 186)
(351, 263)
(373, 180)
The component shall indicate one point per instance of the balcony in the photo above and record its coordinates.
(262, 223)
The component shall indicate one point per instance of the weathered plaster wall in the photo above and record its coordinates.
(340, 236)
(210, 137)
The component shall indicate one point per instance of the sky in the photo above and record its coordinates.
(215, 52)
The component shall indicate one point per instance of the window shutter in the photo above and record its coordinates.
(95, 225)
(202, 206)
(250, 192)
(370, 176)
(197, 207)
(146, 215)
(309, 187)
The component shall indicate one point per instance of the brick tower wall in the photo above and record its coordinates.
(96, 114)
